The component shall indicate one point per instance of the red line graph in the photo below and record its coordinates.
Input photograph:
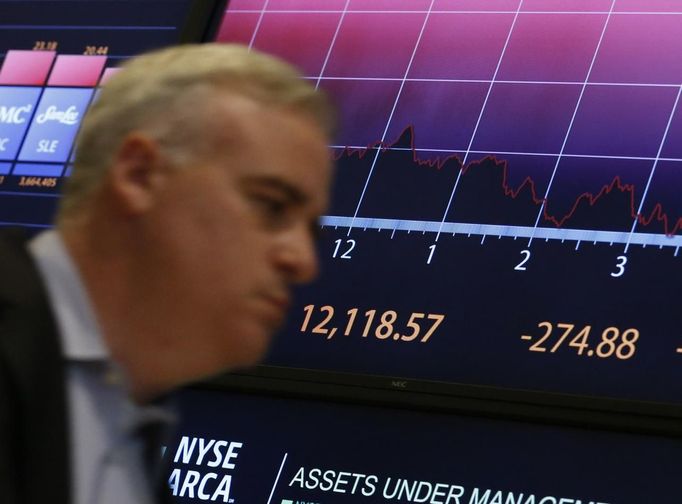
(657, 215)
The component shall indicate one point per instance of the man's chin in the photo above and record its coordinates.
(250, 349)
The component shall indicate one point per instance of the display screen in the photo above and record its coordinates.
(507, 205)
(251, 449)
(53, 55)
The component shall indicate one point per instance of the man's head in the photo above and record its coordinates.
(199, 177)
(168, 96)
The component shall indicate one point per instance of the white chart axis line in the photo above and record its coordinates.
(509, 231)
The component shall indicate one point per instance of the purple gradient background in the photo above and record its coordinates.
(451, 46)
(374, 45)
(364, 108)
(621, 121)
(389, 5)
(648, 6)
(641, 49)
(673, 142)
(306, 47)
(567, 5)
(477, 5)
(246, 4)
(557, 44)
(238, 27)
(465, 5)
(526, 118)
(331, 5)
(443, 114)
(562, 46)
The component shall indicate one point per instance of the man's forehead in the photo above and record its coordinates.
(247, 112)
(278, 149)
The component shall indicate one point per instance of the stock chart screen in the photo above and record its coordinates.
(251, 449)
(507, 205)
(53, 56)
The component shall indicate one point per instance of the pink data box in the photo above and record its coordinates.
(26, 68)
(77, 70)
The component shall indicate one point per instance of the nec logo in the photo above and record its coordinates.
(13, 115)
(401, 384)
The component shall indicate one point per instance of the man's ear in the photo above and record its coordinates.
(137, 173)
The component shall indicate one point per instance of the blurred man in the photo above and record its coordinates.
(200, 174)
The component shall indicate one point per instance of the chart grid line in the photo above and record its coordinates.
(653, 168)
(480, 115)
(570, 124)
(488, 81)
(395, 105)
(439, 12)
(331, 44)
(504, 153)
(258, 24)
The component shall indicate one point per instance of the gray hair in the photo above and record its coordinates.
(160, 94)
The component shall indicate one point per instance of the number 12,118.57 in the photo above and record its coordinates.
(382, 325)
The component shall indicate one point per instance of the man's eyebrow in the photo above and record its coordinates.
(292, 192)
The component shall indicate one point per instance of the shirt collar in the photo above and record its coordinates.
(80, 334)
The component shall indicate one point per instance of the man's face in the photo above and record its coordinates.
(233, 232)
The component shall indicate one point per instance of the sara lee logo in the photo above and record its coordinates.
(68, 116)
(14, 115)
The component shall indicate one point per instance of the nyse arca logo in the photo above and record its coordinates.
(14, 115)
(205, 466)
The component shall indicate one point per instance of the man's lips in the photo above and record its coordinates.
(279, 303)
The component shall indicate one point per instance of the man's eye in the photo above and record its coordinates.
(272, 208)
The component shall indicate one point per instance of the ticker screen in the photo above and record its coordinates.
(259, 450)
(507, 206)
(53, 56)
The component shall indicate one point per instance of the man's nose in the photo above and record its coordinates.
(296, 255)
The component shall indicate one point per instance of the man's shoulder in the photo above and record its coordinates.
(13, 243)
(26, 322)
(13, 249)
(19, 278)
(33, 415)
